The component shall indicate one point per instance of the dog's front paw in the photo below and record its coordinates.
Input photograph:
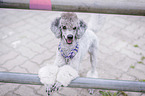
(47, 74)
(91, 91)
(66, 74)
(92, 74)
(52, 88)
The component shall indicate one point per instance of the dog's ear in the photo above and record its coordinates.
(55, 28)
(81, 30)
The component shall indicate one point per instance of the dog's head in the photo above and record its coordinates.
(68, 27)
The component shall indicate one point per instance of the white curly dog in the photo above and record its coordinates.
(75, 41)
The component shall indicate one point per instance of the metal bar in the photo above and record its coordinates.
(93, 6)
(19, 4)
(80, 82)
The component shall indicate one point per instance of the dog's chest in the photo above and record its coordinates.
(75, 62)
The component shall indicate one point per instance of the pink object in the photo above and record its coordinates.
(40, 4)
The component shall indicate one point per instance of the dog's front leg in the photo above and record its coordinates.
(93, 58)
(66, 74)
(48, 74)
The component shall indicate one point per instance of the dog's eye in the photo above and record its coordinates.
(64, 27)
(74, 28)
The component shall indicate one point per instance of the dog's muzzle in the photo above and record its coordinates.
(69, 39)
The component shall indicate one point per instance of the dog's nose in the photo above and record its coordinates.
(70, 36)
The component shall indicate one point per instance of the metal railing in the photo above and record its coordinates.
(120, 85)
(127, 8)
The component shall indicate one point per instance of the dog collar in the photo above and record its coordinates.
(71, 54)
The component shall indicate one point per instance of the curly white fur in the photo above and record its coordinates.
(48, 74)
(66, 74)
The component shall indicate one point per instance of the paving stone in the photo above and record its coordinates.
(20, 30)
(11, 39)
(25, 91)
(6, 32)
(140, 67)
(118, 45)
(32, 21)
(4, 49)
(136, 50)
(127, 77)
(15, 44)
(138, 74)
(31, 67)
(18, 69)
(48, 61)
(53, 45)
(106, 75)
(23, 42)
(108, 41)
(42, 91)
(45, 27)
(11, 94)
(35, 47)
(122, 20)
(66, 91)
(125, 36)
(130, 54)
(45, 56)
(125, 64)
(111, 70)
(6, 88)
(14, 62)
(2, 69)
(116, 23)
(26, 27)
(30, 35)
(132, 19)
(47, 38)
(102, 34)
(140, 32)
(107, 26)
(17, 25)
(6, 57)
(26, 52)
(132, 27)
(112, 30)
(1, 53)
(106, 50)
(140, 42)
(114, 59)
(36, 87)
(102, 56)
(38, 31)
(56, 94)
(133, 93)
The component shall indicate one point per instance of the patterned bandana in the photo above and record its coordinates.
(71, 54)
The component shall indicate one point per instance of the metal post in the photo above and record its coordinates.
(80, 82)
(93, 6)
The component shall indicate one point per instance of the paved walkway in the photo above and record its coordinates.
(26, 44)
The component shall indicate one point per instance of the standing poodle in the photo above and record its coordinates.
(75, 41)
